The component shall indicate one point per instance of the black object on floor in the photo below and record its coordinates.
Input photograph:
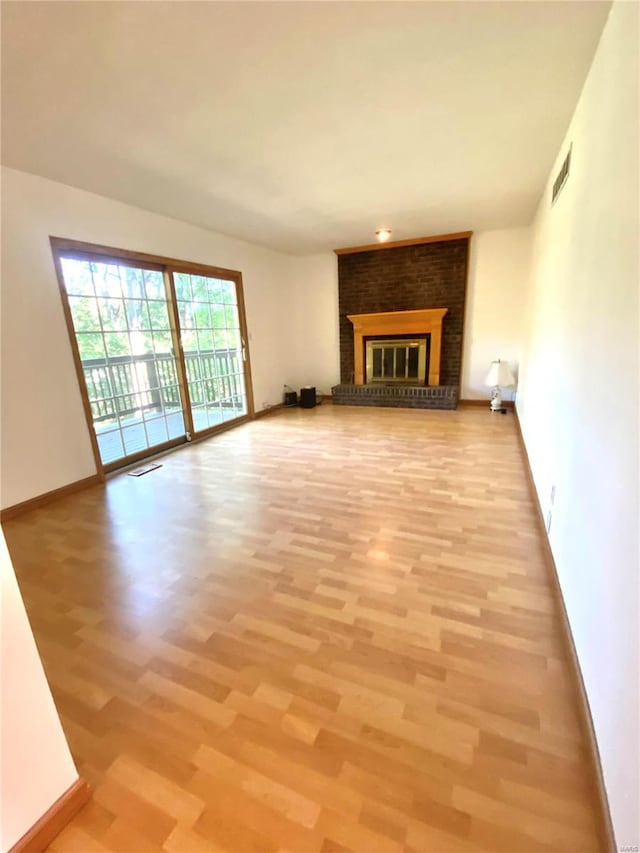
(308, 397)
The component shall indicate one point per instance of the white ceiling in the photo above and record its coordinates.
(302, 126)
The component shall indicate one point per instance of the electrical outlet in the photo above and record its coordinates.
(553, 495)
(549, 517)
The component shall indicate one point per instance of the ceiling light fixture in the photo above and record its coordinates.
(383, 234)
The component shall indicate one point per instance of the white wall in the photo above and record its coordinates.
(578, 397)
(36, 766)
(45, 439)
(496, 303)
(315, 321)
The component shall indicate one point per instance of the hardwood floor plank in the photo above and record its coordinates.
(155, 789)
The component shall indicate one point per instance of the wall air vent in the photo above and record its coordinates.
(561, 180)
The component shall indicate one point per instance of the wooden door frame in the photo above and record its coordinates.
(63, 246)
(176, 337)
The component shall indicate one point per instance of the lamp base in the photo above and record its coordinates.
(496, 400)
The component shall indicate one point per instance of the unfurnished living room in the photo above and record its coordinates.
(320, 427)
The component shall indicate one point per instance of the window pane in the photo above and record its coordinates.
(112, 314)
(117, 343)
(185, 315)
(156, 430)
(84, 312)
(182, 283)
(110, 446)
(175, 424)
(193, 368)
(199, 413)
(96, 377)
(90, 345)
(218, 319)
(106, 280)
(129, 406)
(132, 283)
(220, 339)
(216, 288)
(154, 284)
(171, 397)
(199, 289)
(162, 372)
(205, 340)
(201, 315)
(77, 277)
(229, 292)
(135, 438)
(158, 315)
(135, 311)
(214, 415)
(162, 342)
(231, 314)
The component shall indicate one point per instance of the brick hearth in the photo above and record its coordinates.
(410, 397)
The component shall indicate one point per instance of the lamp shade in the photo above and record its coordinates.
(500, 374)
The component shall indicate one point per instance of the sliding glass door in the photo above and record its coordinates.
(213, 348)
(160, 348)
(121, 322)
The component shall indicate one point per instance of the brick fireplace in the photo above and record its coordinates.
(398, 292)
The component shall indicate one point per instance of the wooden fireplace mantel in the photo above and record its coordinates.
(424, 321)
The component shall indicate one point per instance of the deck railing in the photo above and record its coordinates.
(121, 385)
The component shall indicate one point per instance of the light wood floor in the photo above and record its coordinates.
(329, 630)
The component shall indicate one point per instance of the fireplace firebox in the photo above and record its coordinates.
(386, 326)
(396, 361)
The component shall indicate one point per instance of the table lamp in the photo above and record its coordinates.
(498, 377)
